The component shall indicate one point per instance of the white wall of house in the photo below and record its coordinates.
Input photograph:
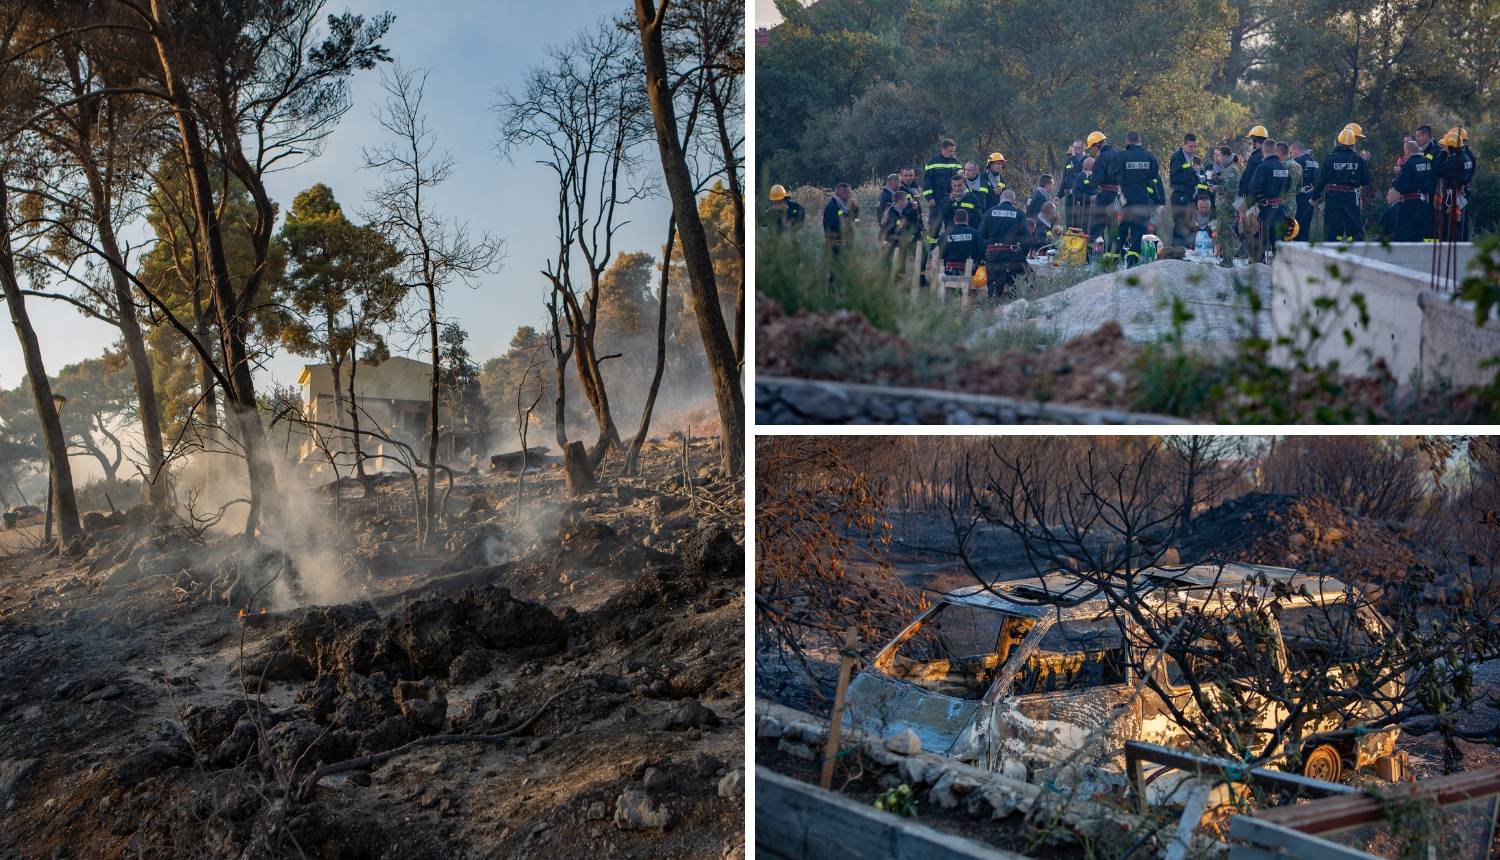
(391, 396)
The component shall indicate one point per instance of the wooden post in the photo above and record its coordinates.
(1136, 779)
(836, 720)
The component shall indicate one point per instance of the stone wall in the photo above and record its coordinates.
(783, 400)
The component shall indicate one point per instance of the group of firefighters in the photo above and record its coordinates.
(1230, 206)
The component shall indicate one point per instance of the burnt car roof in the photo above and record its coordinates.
(1241, 577)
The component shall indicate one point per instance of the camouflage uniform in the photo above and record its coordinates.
(1289, 201)
(1229, 182)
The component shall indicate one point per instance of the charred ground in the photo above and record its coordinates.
(588, 650)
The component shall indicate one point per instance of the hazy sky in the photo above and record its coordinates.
(765, 13)
(472, 48)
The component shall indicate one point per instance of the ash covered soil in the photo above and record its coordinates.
(562, 678)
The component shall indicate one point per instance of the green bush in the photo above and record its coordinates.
(97, 494)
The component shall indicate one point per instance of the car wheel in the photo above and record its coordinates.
(1323, 763)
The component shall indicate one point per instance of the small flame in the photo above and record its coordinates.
(242, 615)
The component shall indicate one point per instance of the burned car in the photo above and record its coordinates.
(1027, 680)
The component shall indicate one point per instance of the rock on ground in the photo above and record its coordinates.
(635, 810)
(1140, 299)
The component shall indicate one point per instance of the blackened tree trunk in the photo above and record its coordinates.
(433, 400)
(632, 458)
(560, 357)
(65, 502)
(366, 486)
(703, 290)
(737, 201)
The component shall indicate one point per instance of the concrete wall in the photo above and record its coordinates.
(1425, 337)
(392, 396)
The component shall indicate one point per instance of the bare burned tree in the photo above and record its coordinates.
(650, 21)
(584, 114)
(1372, 476)
(435, 252)
(1205, 467)
(524, 411)
(1234, 688)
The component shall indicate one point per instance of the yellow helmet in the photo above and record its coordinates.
(1292, 229)
(1359, 130)
(980, 278)
(1451, 140)
(778, 192)
(1346, 137)
(1095, 137)
(1463, 136)
(1258, 131)
(994, 157)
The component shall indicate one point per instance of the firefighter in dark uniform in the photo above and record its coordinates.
(1448, 170)
(961, 246)
(902, 228)
(1257, 137)
(1344, 173)
(1310, 171)
(1414, 183)
(975, 202)
(937, 178)
(1432, 152)
(1266, 189)
(1106, 180)
(839, 216)
(1003, 233)
(1183, 177)
(1081, 198)
(1428, 146)
(1140, 186)
(990, 182)
(785, 212)
(1072, 169)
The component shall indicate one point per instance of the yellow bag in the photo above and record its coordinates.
(1073, 248)
(980, 279)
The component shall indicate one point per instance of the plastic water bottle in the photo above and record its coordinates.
(1205, 246)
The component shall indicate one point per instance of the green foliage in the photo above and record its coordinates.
(852, 89)
(819, 63)
(901, 800)
(875, 82)
(793, 269)
(626, 308)
(174, 271)
(340, 287)
(460, 379)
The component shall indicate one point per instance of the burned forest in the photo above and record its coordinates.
(1131, 646)
(346, 513)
